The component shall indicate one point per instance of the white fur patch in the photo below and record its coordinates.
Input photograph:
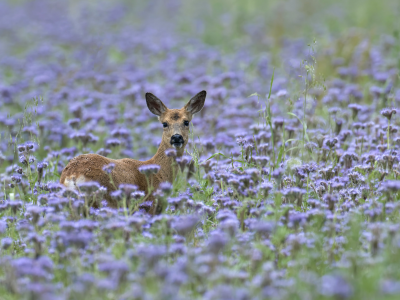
(71, 182)
(177, 146)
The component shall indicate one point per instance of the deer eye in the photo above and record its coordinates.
(186, 123)
(165, 124)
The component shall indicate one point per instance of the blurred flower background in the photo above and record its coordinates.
(289, 188)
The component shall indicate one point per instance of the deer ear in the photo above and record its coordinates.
(155, 105)
(196, 103)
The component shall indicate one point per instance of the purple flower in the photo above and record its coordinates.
(127, 188)
(165, 187)
(84, 137)
(109, 168)
(35, 212)
(185, 225)
(111, 143)
(16, 179)
(390, 186)
(388, 112)
(294, 195)
(6, 243)
(278, 173)
(55, 186)
(112, 267)
(331, 142)
(120, 132)
(336, 286)
(89, 187)
(146, 205)
(390, 287)
(264, 228)
(266, 187)
(74, 123)
(184, 161)
(217, 241)
(3, 226)
(170, 152)
(137, 195)
(149, 169)
(104, 152)
(117, 195)
(23, 160)
(79, 240)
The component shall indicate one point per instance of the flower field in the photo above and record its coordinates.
(290, 184)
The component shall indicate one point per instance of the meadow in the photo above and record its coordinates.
(289, 188)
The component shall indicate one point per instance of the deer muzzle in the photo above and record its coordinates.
(177, 141)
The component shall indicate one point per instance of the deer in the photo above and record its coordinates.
(175, 122)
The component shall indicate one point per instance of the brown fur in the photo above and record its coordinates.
(89, 167)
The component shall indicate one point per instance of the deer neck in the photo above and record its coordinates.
(169, 168)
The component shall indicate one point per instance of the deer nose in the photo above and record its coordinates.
(177, 139)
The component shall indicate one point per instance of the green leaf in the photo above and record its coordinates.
(238, 160)
(307, 138)
(291, 140)
(56, 174)
(35, 178)
(270, 87)
(215, 154)
(292, 114)
(293, 148)
(254, 94)
(281, 151)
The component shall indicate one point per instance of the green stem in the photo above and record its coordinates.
(388, 135)
(19, 192)
(329, 153)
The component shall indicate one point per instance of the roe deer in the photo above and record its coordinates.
(89, 167)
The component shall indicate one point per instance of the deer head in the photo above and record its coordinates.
(176, 121)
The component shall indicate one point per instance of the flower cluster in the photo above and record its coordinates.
(289, 193)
